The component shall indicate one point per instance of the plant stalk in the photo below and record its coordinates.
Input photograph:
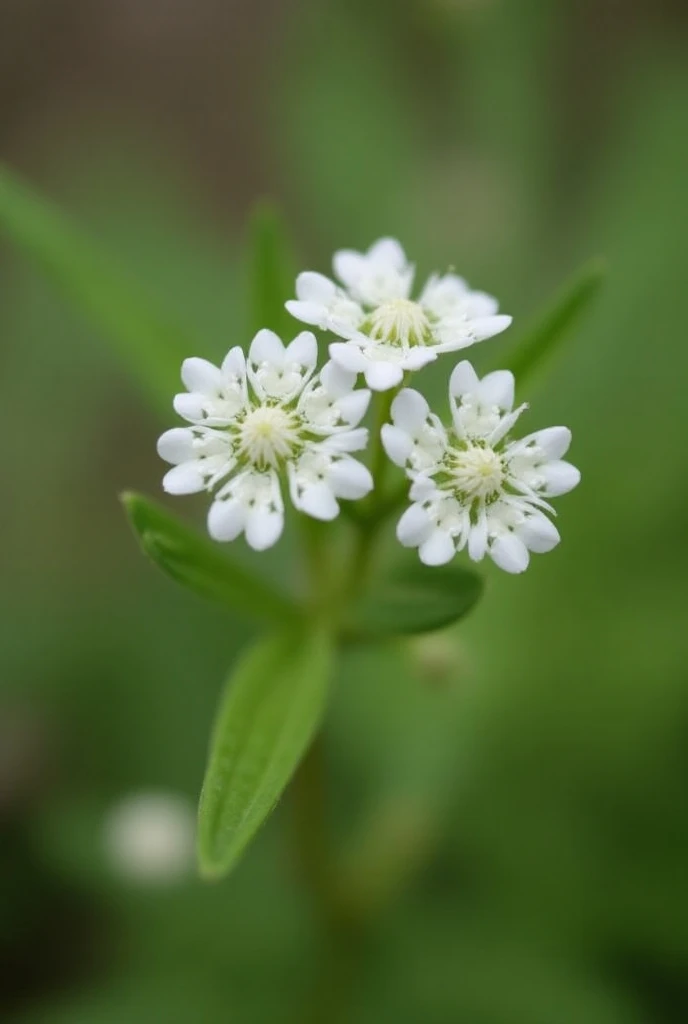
(341, 924)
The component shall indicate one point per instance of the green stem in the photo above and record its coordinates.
(382, 410)
(339, 941)
(341, 935)
(316, 549)
(368, 526)
(342, 927)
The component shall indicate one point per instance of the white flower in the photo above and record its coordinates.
(149, 837)
(387, 332)
(471, 487)
(259, 421)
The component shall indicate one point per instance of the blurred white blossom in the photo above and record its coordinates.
(149, 837)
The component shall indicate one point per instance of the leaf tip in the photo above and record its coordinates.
(209, 871)
(128, 499)
(134, 507)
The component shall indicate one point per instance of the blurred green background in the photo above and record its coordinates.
(531, 769)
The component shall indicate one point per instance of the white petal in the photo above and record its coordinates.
(409, 410)
(266, 347)
(190, 407)
(488, 326)
(389, 253)
(505, 424)
(307, 312)
(234, 363)
(560, 477)
(353, 407)
(184, 479)
(442, 295)
(200, 375)
(226, 519)
(348, 356)
(344, 318)
(315, 288)
(464, 380)
(414, 527)
(303, 350)
(497, 388)
(553, 441)
(477, 539)
(318, 501)
(509, 553)
(418, 357)
(480, 304)
(448, 339)
(350, 479)
(347, 440)
(176, 445)
(264, 527)
(349, 266)
(397, 444)
(539, 533)
(375, 277)
(381, 376)
(336, 380)
(422, 488)
(438, 549)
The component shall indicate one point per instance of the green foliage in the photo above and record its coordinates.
(539, 342)
(271, 709)
(272, 273)
(196, 563)
(415, 598)
(150, 344)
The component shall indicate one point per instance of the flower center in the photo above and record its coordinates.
(268, 436)
(477, 472)
(399, 322)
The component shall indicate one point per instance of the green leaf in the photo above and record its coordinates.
(540, 341)
(199, 565)
(272, 273)
(415, 598)
(271, 709)
(149, 343)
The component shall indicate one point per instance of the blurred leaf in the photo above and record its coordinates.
(539, 342)
(271, 709)
(197, 564)
(415, 599)
(272, 273)
(149, 344)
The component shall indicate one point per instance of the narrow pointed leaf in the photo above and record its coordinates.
(201, 566)
(272, 273)
(149, 343)
(415, 598)
(270, 712)
(540, 341)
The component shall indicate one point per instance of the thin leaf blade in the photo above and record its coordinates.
(270, 711)
(540, 341)
(197, 564)
(148, 342)
(415, 598)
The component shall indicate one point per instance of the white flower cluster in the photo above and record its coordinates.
(255, 420)
(261, 422)
(386, 332)
(471, 488)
